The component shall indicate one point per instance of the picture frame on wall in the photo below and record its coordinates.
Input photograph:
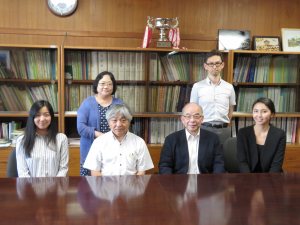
(266, 43)
(290, 39)
(233, 39)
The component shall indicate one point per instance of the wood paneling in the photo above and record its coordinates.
(121, 23)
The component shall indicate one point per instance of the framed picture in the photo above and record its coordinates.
(4, 59)
(290, 39)
(266, 43)
(233, 39)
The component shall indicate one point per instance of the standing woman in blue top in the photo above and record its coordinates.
(91, 122)
(261, 147)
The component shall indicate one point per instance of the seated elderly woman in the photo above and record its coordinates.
(118, 152)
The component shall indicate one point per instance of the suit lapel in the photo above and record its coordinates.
(201, 147)
(184, 146)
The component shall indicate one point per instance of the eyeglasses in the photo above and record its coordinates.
(105, 84)
(217, 64)
(195, 116)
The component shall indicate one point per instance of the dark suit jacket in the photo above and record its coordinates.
(174, 157)
(271, 157)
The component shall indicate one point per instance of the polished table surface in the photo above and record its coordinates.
(152, 199)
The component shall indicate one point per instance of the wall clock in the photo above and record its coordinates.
(62, 7)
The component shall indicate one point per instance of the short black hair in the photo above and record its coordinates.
(214, 53)
(100, 76)
(267, 102)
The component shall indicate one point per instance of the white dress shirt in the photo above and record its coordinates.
(193, 145)
(215, 100)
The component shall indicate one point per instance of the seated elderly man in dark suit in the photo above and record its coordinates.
(191, 150)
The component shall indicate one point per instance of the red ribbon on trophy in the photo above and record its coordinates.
(147, 37)
(174, 37)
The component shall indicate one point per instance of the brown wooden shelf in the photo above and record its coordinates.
(246, 114)
(26, 81)
(144, 115)
(264, 84)
(264, 52)
(16, 114)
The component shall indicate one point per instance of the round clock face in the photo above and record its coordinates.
(62, 7)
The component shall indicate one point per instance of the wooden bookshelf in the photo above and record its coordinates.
(270, 74)
(163, 78)
(146, 119)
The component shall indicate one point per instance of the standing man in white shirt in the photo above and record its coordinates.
(118, 152)
(216, 97)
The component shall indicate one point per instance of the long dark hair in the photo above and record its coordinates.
(30, 129)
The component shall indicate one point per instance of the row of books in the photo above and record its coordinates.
(176, 67)
(159, 128)
(9, 131)
(21, 98)
(284, 98)
(162, 127)
(133, 96)
(267, 69)
(28, 64)
(288, 124)
(75, 94)
(86, 65)
(161, 98)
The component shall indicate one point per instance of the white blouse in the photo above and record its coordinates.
(46, 160)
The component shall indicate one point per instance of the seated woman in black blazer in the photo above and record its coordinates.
(261, 147)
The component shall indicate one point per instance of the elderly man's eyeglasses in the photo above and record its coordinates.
(217, 64)
(195, 116)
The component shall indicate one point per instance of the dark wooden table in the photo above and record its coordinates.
(152, 199)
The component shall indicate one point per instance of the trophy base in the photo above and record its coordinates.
(163, 44)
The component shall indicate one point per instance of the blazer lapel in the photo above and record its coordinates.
(253, 149)
(269, 145)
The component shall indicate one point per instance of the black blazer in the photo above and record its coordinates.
(174, 157)
(271, 157)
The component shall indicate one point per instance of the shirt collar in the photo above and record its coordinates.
(114, 137)
(208, 81)
(188, 134)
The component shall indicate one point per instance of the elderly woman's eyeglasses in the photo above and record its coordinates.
(105, 84)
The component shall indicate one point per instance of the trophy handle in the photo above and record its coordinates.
(150, 22)
(176, 22)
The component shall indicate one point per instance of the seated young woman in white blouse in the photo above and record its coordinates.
(42, 151)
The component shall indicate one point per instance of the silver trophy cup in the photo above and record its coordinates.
(163, 25)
